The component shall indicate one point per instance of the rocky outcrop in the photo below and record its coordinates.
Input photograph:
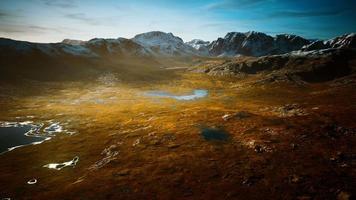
(311, 66)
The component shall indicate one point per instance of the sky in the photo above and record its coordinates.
(55, 20)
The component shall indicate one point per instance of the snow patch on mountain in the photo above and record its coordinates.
(200, 45)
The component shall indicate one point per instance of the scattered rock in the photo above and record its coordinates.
(238, 115)
(294, 178)
(334, 131)
(289, 110)
(168, 137)
(136, 142)
(342, 159)
(110, 155)
(259, 148)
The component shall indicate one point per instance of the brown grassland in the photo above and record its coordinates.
(285, 141)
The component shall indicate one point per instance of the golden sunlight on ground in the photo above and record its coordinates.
(139, 146)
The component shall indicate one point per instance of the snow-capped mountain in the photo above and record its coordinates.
(158, 44)
(344, 41)
(200, 45)
(166, 44)
(255, 44)
(340, 42)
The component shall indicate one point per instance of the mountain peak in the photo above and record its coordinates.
(156, 36)
(163, 43)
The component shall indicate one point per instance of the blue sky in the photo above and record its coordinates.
(54, 20)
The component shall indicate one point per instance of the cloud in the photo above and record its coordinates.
(83, 18)
(60, 3)
(7, 15)
(44, 29)
(297, 14)
(234, 4)
(23, 28)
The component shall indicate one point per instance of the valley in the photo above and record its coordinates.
(238, 141)
(247, 116)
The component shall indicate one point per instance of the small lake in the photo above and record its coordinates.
(195, 95)
(12, 137)
(18, 134)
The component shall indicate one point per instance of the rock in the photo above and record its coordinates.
(136, 142)
(294, 178)
(238, 115)
(259, 148)
(110, 154)
(290, 110)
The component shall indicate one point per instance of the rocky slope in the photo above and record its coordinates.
(157, 49)
(255, 44)
(309, 66)
(260, 44)
(344, 41)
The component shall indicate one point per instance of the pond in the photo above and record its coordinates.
(195, 95)
(215, 134)
(59, 166)
(17, 135)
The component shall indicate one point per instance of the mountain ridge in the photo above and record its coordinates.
(158, 44)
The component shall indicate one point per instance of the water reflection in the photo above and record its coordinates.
(15, 135)
(59, 166)
(196, 94)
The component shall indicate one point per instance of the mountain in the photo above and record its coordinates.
(21, 60)
(255, 44)
(121, 47)
(200, 45)
(344, 41)
(157, 50)
(10, 47)
(164, 44)
(340, 42)
(310, 66)
(73, 42)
